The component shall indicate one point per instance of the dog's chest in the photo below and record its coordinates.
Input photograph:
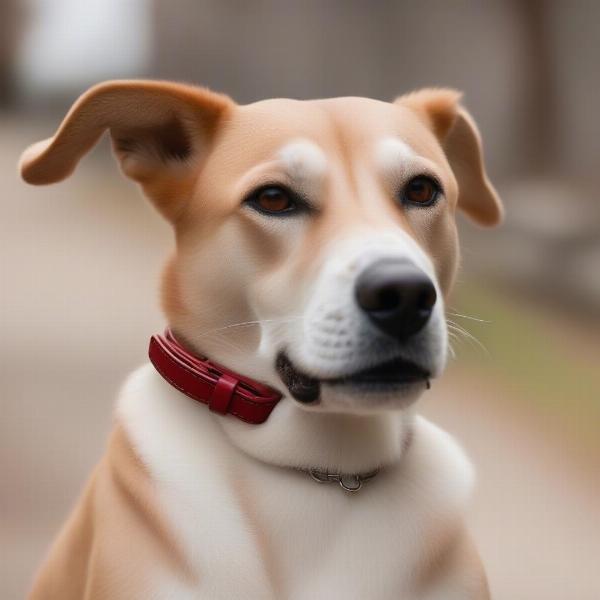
(251, 530)
(319, 537)
(277, 534)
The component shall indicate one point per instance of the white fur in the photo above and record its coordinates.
(397, 161)
(393, 153)
(305, 164)
(254, 530)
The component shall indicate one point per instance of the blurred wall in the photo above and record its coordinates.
(12, 21)
(380, 49)
(69, 44)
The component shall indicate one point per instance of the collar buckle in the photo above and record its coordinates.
(225, 391)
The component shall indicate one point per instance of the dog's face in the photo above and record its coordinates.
(316, 240)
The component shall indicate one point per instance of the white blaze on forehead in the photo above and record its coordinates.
(305, 163)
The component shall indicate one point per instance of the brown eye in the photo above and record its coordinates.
(276, 200)
(273, 199)
(421, 190)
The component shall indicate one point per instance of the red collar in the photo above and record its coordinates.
(224, 391)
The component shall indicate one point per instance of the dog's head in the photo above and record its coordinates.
(316, 240)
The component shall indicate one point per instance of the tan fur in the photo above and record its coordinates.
(117, 106)
(196, 154)
(452, 554)
(171, 297)
(438, 107)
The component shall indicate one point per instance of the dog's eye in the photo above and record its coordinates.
(274, 200)
(421, 190)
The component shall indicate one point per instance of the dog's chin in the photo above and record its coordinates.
(369, 398)
(389, 385)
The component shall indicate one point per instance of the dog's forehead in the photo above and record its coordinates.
(336, 125)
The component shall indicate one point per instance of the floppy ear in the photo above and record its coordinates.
(459, 137)
(160, 132)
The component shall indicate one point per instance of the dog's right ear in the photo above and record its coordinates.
(160, 133)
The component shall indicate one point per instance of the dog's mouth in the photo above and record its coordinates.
(383, 377)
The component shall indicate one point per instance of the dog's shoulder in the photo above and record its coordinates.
(439, 465)
(441, 479)
(115, 536)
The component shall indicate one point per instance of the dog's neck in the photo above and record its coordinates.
(298, 438)
(302, 438)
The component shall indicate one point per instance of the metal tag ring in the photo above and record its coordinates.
(350, 483)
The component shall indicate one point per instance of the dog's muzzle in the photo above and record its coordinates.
(398, 299)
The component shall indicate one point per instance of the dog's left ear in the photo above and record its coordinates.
(459, 137)
(161, 133)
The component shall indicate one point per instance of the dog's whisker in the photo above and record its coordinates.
(222, 341)
(471, 318)
(251, 324)
(459, 331)
(451, 349)
(452, 337)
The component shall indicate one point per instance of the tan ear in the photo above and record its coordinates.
(459, 137)
(159, 131)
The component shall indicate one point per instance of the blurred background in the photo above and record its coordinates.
(79, 261)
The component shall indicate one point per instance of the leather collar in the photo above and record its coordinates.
(224, 391)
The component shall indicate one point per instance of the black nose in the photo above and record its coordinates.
(397, 296)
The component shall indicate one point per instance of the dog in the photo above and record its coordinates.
(316, 245)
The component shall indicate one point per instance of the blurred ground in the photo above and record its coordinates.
(73, 329)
